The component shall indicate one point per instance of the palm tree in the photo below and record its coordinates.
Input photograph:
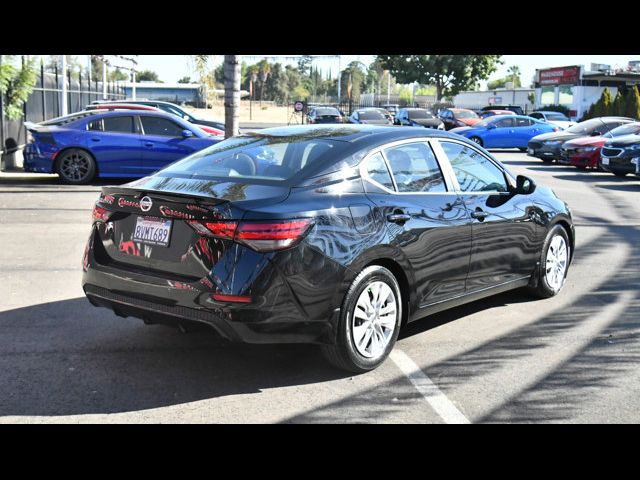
(514, 71)
(265, 70)
(231, 95)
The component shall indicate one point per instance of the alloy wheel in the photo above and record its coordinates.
(75, 166)
(556, 264)
(374, 319)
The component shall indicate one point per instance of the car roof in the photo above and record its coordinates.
(352, 132)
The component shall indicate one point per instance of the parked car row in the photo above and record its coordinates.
(606, 143)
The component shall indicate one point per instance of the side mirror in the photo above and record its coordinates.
(524, 185)
(595, 134)
(187, 133)
(491, 126)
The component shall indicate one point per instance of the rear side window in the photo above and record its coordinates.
(118, 124)
(504, 122)
(95, 125)
(378, 172)
(415, 168)
(160, 126)
(523, 122)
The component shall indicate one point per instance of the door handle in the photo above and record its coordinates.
(398, 217)
(479, 214)
(95, 139)
(148, 144)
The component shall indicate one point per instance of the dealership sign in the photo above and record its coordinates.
(560, 76)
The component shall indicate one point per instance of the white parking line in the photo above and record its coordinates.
(432, 394)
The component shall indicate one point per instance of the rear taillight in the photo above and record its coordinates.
(221, 297)
(100, 214)
(259, 236)
(556, 129)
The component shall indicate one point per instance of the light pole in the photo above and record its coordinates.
(339, 79)
(64, 85)
(104, 78)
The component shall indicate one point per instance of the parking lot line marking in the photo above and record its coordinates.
(431, 393)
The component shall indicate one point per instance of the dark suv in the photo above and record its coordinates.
(512, 108)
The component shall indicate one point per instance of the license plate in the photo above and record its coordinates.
(152, 231)
(530, 151)
(605, 161)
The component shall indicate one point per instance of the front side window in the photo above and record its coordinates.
(415, 168)
(504, 122)
(474, 171)
(118, 124)
(160, 126)
(523, 122)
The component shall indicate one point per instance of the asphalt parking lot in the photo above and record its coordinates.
(574, 358)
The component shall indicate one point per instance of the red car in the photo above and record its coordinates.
(458, 117)
(491, 113)
(584, 152)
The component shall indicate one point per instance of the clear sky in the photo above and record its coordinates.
(172, 67)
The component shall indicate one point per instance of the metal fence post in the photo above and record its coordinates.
(57, 93)
(44, 96)
(69, 90)
(1, 119)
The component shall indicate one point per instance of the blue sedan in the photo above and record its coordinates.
(505, 131)
(120, 143)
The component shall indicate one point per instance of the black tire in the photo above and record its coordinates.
(581, 167)
(547, 160)
(76, 166)
(522, 149)
(618, 173)
(344, 353)
(542, 289)
(476, 140)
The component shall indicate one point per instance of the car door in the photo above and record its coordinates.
(425, 218)
(115, 143)
(523, 131)
(505, 238)
(163, 142)
(502, 135)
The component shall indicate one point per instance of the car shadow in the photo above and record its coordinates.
(437, 319)
(69, 358)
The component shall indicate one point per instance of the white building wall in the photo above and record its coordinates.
(476, 100)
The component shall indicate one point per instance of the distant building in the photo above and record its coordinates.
(475, 100)
(577, 88)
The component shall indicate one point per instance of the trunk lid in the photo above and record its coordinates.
(148, 223)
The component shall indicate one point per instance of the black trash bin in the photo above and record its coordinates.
(8, 162)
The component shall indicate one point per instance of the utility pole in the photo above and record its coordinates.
(64, 85)
(339, 78)
(133, 84)
(104, 79)
(388, 86)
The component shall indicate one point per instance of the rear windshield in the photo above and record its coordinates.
(256, 157)
(67, 119)
(371, 115)
(465, 114)
(327, 111)
(420, 114)
(557, 116)
(585, 127)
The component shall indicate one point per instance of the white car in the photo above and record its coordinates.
(555, 118)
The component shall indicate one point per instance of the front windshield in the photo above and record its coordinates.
(255, 156)
(417, 114)
(465, 114)
(585, 127)
(628, 129)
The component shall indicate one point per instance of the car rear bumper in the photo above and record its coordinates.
(37, 161)
(544, 151)
(273, 315)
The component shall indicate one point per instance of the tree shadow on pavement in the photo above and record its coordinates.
(69, 358)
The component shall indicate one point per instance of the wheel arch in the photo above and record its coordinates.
(56, 162)
(569, 231)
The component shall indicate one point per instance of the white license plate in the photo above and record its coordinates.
(152, 231)
(530, 151)
(605, 161)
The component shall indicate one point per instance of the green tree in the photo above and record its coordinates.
(619, 104)
(353, 75)
(449, 73)
(185, 80)
(117, 75)
(502, 82)
(604, 105)
(514, 75)
(16, 83)
(147, 76)
(304, 64)
(632, 107)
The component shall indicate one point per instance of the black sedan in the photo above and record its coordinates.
(621, 155)
(324, 115)
(335, 235)
(547, 146)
